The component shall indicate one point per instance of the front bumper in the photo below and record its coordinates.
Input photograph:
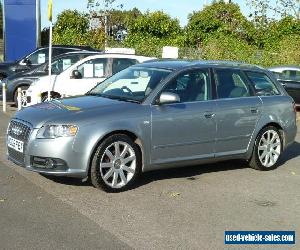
(57, 149)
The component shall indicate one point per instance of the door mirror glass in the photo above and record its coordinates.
(168, 97)
(76, 74)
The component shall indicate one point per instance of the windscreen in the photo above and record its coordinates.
(133, 83)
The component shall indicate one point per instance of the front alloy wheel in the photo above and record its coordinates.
(267, 149)
(116, 164)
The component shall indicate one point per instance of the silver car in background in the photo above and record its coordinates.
(156, 115)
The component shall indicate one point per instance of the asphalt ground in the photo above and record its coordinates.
(186, 208)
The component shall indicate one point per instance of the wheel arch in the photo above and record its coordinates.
(130, 134)
(279, 127)
(23, 84)
(267, 124)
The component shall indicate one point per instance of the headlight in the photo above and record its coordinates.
(55, 131)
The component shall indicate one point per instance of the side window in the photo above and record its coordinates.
(191, 86)
(122, 63)
(230, 84)
(263, 85)
(277, 75)
(62, 64)
(39, 57)
(93, 68)
(291, 75)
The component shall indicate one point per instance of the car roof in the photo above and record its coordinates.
(117, 55)
(284, 67)
(181, 64)
(71, 47)
(78, 52)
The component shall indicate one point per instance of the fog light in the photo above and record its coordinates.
(48, 163)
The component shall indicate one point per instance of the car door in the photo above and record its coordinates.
(36, 58)
(290, 79)
(238, 111)
(184, 130)
(91, 72)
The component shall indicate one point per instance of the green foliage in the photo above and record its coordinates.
(71, 20)
(281, 8)
(219, 32)
(278, 30)
(96, 38)
(153, 30)
(122, 19)
(71, 28)
(225, 47)
(216, 19)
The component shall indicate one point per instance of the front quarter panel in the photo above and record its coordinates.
(92, 131)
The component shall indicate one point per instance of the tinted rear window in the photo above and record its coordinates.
(262, 84)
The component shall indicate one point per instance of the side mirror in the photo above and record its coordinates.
(76, 74)
(168, 97)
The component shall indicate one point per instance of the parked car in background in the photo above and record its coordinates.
(289, 77)
(81, 77)
(157, 115)
(36, 58)
(25, 78)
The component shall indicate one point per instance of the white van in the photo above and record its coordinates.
(80, 77)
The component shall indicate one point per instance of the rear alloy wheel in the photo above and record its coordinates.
(267, 149)
(116, 164)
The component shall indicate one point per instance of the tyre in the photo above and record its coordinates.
(116, 164)
(267, 149)
(23, 96)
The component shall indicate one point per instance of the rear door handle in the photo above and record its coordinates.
(254, 110)
(209, 115)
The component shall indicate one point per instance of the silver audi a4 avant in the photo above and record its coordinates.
(156, 115)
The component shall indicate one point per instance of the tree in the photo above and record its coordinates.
(283, 8)
(218, 18)
(103, 5)
(71, 27)
(153, 30)
(122, 19)
(228, 47)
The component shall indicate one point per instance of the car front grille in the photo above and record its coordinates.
(20, 131)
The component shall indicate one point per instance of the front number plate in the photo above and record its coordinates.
(15, 144)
